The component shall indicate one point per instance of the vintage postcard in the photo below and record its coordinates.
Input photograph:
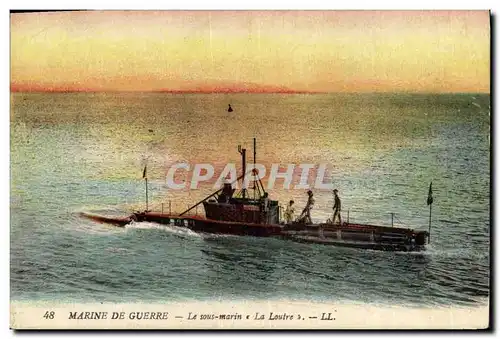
(250, 170)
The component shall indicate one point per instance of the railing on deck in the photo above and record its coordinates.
(374, 218)
(350, 216)
(171, 208)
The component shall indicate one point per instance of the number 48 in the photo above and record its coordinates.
(49, 315)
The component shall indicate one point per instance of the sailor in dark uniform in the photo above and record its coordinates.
(336, 207)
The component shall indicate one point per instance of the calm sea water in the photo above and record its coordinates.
(85, 152)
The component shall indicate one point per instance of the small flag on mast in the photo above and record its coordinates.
(430, 199)
(144, 172)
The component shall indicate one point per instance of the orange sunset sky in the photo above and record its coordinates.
(256, 51)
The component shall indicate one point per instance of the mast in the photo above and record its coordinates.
(254, 151)
(145, 177)
(430, 217)
(243, 153)
(430, 200)
(146, 194)
(253, 171)
(257, 183)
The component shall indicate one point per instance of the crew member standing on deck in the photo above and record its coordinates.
(306, 213)
(264, 201)
(336, 207)
(289, 212)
